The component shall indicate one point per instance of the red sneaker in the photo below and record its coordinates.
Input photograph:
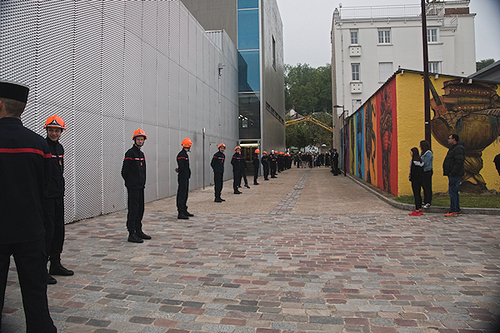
(451, 214)
(415, 213)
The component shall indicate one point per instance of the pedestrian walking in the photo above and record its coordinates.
(53, 208)
(237, 163)
(24, 176)
(134, 174)
(427, 158)
(453, 167)
(256, 165)
(265, 165)
(183, 175)
(415, 176)
(217, 165)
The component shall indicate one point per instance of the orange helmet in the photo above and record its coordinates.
(187, 143)
(237, 147)
(139, 132)
(221, 145)
(257, 151)
(264, 152)
(280, 153)
(55, 122)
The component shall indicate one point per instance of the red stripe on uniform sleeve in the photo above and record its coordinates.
(25, 150)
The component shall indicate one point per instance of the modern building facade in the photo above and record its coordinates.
(110, 67)
(369, 44)
(256, 28)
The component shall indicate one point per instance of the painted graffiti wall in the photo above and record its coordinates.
(378, 137)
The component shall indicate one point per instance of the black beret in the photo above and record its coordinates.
(16, 91)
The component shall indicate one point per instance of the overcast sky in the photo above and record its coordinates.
(307, 25)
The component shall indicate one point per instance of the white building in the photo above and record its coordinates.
(370, 43)
(110, 67)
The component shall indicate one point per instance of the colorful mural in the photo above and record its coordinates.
(378, 137)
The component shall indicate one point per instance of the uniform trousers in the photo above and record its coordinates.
(182, 194)
(218, 184)
(31, 264)
(266, 171)
(135, 210)
(236, 179)
(255, 174)
(53, 221)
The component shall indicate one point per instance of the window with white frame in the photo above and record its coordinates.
(384, 36)
(432, 35)
(435, 67)
(355, 72)
(354, 36)
(384, 71)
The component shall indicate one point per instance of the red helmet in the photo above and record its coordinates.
(55, 122)
(139, 132)
(187, 143)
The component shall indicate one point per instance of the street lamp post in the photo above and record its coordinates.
(343, 135)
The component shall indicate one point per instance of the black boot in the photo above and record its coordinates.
(218, 200)
(134, 238)
(182, 216)
(187, 213)
(57, 269)
(142, 235)
(50, 279)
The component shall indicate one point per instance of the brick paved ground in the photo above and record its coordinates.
(286, 267)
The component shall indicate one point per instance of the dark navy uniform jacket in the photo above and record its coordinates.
(56, 184)
(238, 162)
(24, 176)
(134, 169)
(183, 165)
(218, 162)
(255, 161)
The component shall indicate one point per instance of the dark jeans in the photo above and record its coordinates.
(135, 210)
(218, 184)
(427, 186)
(182, 194)
(416, 186)
(31, 264)
(53, 221)
(453, 184)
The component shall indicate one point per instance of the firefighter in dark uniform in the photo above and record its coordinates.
(237, 163)
(183, 175)
(217, 165)
(134, 174)
(272, 164)
(265, 164)
(24, 177)
(256, 164)
(53, 208)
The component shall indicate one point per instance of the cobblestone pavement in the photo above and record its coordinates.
(280, 269)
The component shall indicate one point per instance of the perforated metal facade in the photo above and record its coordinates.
(110, 67)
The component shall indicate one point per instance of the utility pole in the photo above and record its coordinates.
(427, 99)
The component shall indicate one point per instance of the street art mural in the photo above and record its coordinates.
(468, 108)
(471, 110)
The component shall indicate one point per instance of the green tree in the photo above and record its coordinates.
(483, 63)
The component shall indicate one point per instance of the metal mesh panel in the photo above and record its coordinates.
(108, 68)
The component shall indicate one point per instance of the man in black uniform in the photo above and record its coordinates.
(265, 164)
(183, 175)
(217, 165)
(134, 174)
(272, 164)
(237, 163)
(24, 176)
(53, 208)
(335, 162)
(256, 164)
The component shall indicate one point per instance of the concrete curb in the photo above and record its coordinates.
(403, 206)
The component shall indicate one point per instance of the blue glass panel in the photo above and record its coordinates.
(248, 29)
(244, 4)
(249, 71)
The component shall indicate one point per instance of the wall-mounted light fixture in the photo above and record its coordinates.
(221, 67)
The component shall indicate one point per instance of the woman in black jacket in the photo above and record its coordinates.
(416, 173)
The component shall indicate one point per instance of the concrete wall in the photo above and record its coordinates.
(110, 67)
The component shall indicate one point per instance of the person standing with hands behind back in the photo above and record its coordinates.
(134, 174)
(53, 208)
(416, 172)
(24, 177)
(217, 165)
(183, 175)
(427, 157)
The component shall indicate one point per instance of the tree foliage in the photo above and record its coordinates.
(309, 134)
(483, 63)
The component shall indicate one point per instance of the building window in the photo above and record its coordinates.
(435, 67)
(432, 35)
(354, 36)
(384, 36)
(274, 53)
(355, 72)
(384, 71)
